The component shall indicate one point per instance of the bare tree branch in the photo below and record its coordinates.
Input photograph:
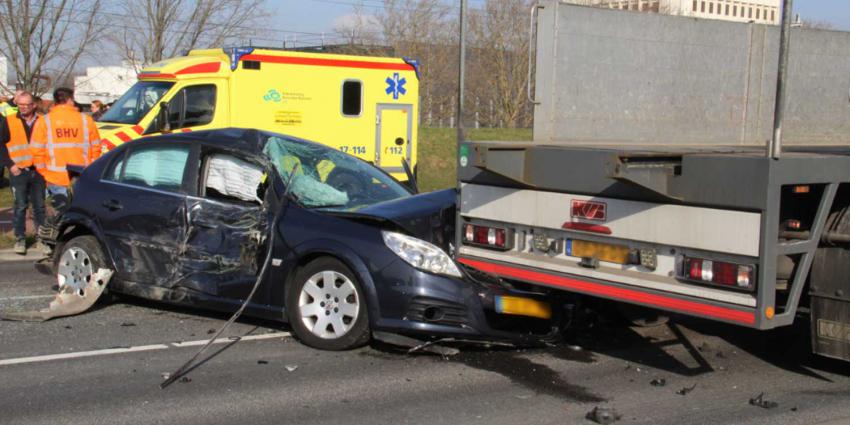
(44, 39)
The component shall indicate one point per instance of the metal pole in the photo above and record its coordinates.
(774, 149)
(461, 72)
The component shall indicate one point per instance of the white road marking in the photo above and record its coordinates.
(26, 297)
(107, 351)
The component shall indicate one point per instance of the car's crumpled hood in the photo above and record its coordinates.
(429, 216)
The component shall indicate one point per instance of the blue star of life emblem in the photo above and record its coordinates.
(395, 85)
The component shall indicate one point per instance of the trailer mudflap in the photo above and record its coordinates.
(830, 295)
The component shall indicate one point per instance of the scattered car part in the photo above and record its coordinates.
(686, 390)
(71, 299)
(413, 344)
(761, 402)
(658, 382)
(603, 415)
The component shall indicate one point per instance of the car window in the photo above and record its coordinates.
(157, 167)
(322, 177)
(232, 179)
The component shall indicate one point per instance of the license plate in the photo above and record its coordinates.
(601, 251)
(522, 307)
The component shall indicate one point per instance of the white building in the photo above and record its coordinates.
(758, 11)
(104, 83)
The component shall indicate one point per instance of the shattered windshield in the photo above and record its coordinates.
(326, 178)
(135, 104)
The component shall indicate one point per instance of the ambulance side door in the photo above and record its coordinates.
(193, 105)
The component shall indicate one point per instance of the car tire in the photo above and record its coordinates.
(326, 306)
(78, 260)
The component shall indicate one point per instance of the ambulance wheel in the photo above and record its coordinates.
(327, 307)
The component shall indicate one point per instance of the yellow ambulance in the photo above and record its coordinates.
(365, 106)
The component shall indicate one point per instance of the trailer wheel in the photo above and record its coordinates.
(326, 306)
(642, 317)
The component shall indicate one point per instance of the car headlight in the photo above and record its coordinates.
(421, 254)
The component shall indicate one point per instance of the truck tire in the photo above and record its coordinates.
(326, 306)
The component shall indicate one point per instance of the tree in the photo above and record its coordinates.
(357, 28)
(44, 39)
(499, 42)
(167, 28)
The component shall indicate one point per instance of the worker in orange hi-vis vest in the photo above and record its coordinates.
(63, 137)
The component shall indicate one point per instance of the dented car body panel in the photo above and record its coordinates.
(186, 235)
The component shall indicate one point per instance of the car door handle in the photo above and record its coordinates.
(112, 205)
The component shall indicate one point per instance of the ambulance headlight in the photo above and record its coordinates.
(421, 254)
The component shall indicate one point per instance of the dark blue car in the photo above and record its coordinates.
(189, 219)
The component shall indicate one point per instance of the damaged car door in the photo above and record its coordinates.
(227, 227)
(143, 210)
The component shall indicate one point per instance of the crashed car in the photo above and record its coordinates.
(190, 218)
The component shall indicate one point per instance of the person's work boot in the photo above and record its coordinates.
(21, 247)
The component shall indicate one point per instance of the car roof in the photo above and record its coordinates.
(242, 139)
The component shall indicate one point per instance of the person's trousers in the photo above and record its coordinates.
(28, 189)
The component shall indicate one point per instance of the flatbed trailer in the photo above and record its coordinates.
(672, 217)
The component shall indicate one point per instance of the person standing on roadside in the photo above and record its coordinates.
(16, 155)
(63, 136)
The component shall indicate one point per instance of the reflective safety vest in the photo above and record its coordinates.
(62, 137)
(18, 146)
(7, 110)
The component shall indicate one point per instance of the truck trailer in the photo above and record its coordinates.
(655, 175)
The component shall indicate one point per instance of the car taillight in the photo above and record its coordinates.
(485, 236)
(719, 273)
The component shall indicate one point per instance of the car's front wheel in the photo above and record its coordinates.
(79, 260)
(327, 307)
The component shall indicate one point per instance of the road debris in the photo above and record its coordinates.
(658, 382)
(185, 379)
(70, 300)
(291, 367)
(262, 362)
(127, 324)
(761, 402)
(686, 390)
(603, 415)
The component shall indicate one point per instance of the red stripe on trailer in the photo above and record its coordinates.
(200, 68)
(123, 136)
(344, 63)
(660, 301)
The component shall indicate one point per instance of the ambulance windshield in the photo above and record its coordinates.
(327, 178)
(135, 104)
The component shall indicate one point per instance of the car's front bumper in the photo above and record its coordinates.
(416, 303)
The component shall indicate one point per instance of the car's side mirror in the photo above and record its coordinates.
(162, 123)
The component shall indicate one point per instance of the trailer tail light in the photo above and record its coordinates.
(486, 236)
(732, 275)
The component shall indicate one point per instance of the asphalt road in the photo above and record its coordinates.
(105, 367)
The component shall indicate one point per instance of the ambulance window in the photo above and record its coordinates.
(352, 98)
(192, 106)
(200, 105)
